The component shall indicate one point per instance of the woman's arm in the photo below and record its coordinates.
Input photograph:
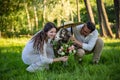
(46, 60)
(64, 58)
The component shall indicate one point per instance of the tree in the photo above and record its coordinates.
(71, 13)
(44, 12)
(78, 11)
(28, 15)
(103, 16)
(117, 11)
(89, 10)
(35, 15)
(101, 22)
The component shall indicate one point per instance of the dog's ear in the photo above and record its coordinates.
(57, 37)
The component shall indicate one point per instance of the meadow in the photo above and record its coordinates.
(12, 67)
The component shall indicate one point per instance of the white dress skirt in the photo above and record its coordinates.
(35, 58)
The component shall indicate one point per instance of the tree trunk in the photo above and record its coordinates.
(70, 10)
(71, 13)
(71, 16)
(78, 12)
(58, 21)
(36, 18)
(28, 16)
(0, 34)
(117, 13)
(101, 22)
(44, 13)
(1, 24)
(104, 14)
(89, 10)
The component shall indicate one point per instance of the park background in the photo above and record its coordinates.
(20, 19)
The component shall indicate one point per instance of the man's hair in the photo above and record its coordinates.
(90, 26)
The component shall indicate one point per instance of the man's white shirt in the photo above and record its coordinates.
(89, 41)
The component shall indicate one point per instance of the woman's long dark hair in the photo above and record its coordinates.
(42, 36)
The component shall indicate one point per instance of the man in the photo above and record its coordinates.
(86, 38)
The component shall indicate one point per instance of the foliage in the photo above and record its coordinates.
(14, 22)
(12, 67)
(110, 11)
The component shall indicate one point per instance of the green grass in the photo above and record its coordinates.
(12, 67)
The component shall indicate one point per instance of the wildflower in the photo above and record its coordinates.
(66, 48)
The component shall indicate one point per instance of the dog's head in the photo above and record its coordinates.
(62, 35)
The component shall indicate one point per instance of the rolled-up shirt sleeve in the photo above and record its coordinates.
(91, 43)
(46, 60)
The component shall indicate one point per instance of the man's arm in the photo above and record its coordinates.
(92, 41)
(89, 45)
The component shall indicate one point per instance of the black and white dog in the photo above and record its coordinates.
(61, 37)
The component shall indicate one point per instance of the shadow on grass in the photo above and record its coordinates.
(113, 44)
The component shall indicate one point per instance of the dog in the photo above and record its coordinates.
(61, 37)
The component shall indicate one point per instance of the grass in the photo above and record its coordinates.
(12, 67)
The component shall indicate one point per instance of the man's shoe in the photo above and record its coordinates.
(95, 62)
(80, 60)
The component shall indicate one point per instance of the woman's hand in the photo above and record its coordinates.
(64, 58)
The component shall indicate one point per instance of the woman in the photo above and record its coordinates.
(38, 52)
